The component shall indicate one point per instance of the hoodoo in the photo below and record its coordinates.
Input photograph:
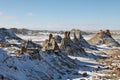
(81, 41)
(51, 44)
(75, 39)
(103, 37)
(69, 46)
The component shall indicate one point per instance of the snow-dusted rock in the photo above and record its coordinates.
(103, 37)
(7, 34)
(71, 47)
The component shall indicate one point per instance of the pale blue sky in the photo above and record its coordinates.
(60, 14)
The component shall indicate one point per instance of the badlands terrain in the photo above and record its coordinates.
(59, 55)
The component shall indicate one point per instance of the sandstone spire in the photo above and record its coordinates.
(80, 35)
(70, 46)
(51, 44)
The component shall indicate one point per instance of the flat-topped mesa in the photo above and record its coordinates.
(51, 44)
(69, 46)
(103, 37)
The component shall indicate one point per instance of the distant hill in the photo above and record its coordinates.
(7, 34)
(82, 32)
(19, 31)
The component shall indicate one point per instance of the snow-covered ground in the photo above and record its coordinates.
(50, 66)
(39, 37)
(34, 38)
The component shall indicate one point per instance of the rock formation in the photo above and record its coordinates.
(81, 41)
(51, 44)
(69, 46)
(58, 38)
(31, 44)
(75, 40)
(103, 37)
(6, 37)
(6, 34)
(29, 47)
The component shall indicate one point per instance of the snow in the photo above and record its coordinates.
(50, 66)
(6, 34)
(34, 38)
(23, 68)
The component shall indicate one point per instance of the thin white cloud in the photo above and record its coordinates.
(30, 14)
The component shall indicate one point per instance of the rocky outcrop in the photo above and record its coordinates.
(6, 34)
(49, 67)
(69, 46)
(31, 44)
(81, 41)
(66, 45)
(58, 38)
(51, 44)
(103, 37)
(29, 47)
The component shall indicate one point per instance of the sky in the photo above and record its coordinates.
(60, 14)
